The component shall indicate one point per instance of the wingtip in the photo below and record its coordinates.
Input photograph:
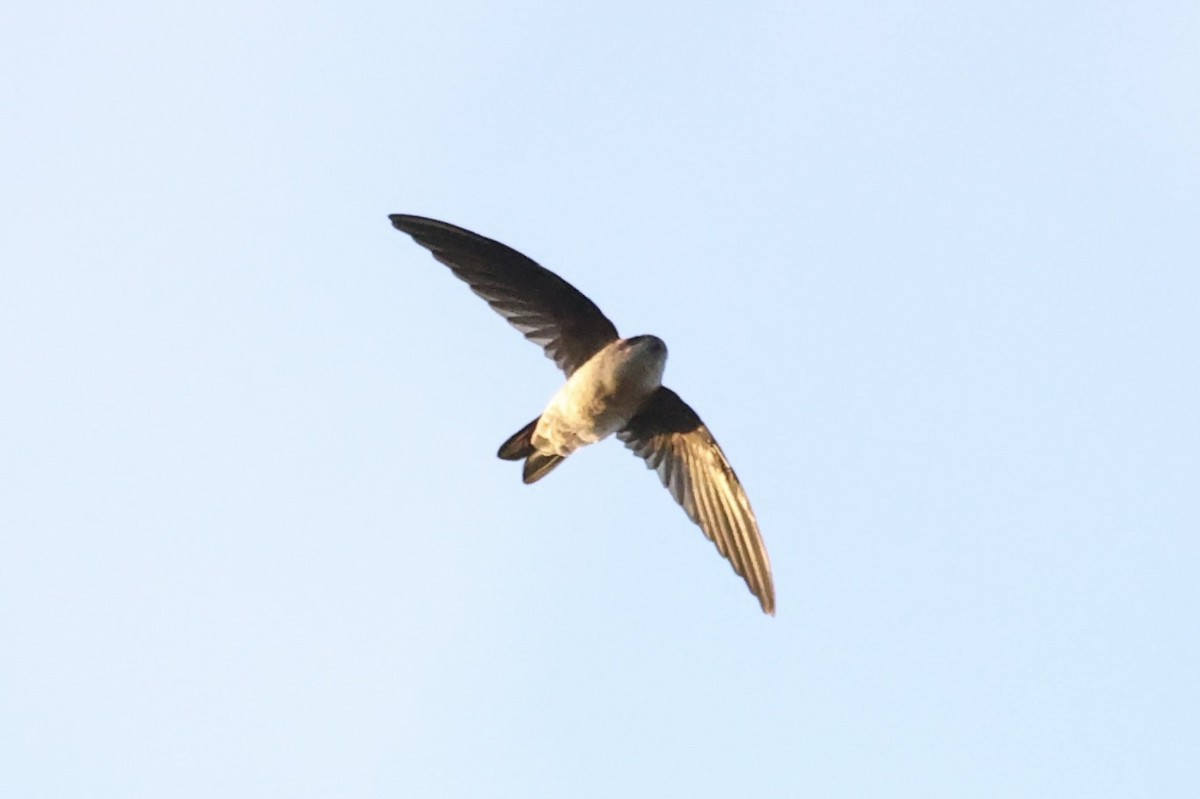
(767, 599)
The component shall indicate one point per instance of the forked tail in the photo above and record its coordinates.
(519, 446)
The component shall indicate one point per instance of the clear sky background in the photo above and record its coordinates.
(929, 271)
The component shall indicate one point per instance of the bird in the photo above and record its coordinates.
(613, 387)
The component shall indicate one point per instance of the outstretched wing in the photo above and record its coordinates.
(670, 437)
(547, 309)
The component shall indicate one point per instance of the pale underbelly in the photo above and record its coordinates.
(576, 419)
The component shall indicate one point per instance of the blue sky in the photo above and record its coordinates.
(929, 271)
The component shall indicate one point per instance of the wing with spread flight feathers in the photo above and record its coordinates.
(547, 309)
(672, 440)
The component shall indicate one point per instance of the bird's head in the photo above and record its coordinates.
(648, 344)
(645, 359)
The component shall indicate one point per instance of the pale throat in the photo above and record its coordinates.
(643, 369)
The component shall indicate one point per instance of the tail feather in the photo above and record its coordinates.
(538, 465)
(520, 444)
(520, 447)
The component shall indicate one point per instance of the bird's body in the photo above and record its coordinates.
(598, 399)
(602, 396)
(614, 386)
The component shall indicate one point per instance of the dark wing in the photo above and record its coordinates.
(672, 439)
(547, 309)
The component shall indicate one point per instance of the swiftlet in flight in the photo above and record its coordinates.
(614, 385)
